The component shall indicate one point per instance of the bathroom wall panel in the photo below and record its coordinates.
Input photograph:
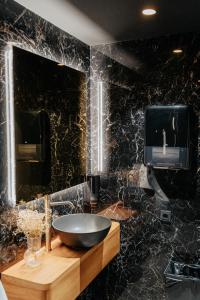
(155, 76)
(134, 74)
(24, 29)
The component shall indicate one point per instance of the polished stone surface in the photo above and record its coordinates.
(158, 77)
(25, 30)
(155, 76)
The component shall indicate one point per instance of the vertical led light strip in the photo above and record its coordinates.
(10, 126)
(100, 126)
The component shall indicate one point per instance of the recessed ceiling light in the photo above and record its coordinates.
(177, 51)
(149, 11)
(60, 65)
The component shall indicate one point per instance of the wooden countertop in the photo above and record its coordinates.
(64, 273)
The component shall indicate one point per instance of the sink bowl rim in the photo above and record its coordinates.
(82, 233)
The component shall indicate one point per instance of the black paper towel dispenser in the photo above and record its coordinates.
(167, 137)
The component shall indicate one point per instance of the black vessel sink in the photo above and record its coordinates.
(81, 230)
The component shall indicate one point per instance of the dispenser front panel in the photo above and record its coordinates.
(167, 136)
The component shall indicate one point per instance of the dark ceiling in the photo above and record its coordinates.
(122, 19)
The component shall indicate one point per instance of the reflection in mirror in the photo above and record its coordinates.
(50, 120)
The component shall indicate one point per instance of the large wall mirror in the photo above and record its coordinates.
(49, 125)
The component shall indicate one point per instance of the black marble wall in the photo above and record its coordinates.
(23, 29)
(135, 74)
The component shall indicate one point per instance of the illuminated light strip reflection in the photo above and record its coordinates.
(10, 126)
(100, 126)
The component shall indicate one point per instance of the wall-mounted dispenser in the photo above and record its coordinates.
(167, 146)
(167, 137)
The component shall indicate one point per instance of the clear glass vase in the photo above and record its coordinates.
(32, 254)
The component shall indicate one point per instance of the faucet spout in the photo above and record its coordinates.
(60, 203)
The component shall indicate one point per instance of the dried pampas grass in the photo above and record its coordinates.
(31, 222)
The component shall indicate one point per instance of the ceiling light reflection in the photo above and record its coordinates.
(149, 11)
(177, 51)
